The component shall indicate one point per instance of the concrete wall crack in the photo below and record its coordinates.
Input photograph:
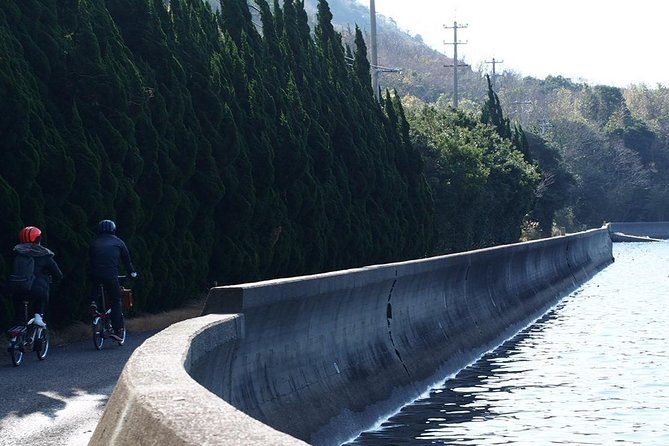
(389, 316)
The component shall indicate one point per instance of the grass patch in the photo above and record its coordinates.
(159, 321)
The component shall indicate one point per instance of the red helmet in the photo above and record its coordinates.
(30, 234)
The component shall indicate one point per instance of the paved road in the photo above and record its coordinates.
(59, 401)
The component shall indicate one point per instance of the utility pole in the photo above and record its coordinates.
(455, 65)
(374, 65)
(375, 61)
(494, 62)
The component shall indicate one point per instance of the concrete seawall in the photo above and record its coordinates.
(319, 358)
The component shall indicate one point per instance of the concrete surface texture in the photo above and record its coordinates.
(156, 402)
(317, 359)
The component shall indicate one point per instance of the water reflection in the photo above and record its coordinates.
(592, 371)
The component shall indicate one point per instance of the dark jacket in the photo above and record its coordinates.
(106, 252)
(46, 268)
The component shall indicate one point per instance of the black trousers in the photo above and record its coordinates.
(37, 303)
(112, 289)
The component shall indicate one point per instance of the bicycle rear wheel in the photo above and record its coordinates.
(41, 343)
(16, 350)
(98, 333)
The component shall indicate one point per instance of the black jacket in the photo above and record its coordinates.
(46, 268)
(106, 252)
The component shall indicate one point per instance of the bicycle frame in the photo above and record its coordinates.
(101, 322)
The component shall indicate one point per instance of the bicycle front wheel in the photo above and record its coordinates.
(41, 343)
(16, 350)
(98, 333)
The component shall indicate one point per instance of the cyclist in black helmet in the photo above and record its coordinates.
(107, 251)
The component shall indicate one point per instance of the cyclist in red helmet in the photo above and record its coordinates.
(33, 271)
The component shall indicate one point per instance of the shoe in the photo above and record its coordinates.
(94, 305)
(38, 320)
(117, 335)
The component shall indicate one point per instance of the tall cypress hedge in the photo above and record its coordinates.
(226, 151)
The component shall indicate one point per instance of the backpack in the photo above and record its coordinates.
(23, 274)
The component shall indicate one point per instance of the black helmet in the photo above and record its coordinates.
(106, 227)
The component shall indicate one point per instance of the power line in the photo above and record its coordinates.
(377, 68)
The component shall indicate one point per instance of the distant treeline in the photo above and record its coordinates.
(228, 150)
(612, 144)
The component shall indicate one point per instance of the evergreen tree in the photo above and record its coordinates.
(223, 154)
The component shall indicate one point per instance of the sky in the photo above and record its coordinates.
(616, 43)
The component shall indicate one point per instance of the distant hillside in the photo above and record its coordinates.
(423, 70)
(612, 140)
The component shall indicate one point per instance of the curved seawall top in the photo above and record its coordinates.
(319, 358)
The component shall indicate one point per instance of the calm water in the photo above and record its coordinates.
(592, 371)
